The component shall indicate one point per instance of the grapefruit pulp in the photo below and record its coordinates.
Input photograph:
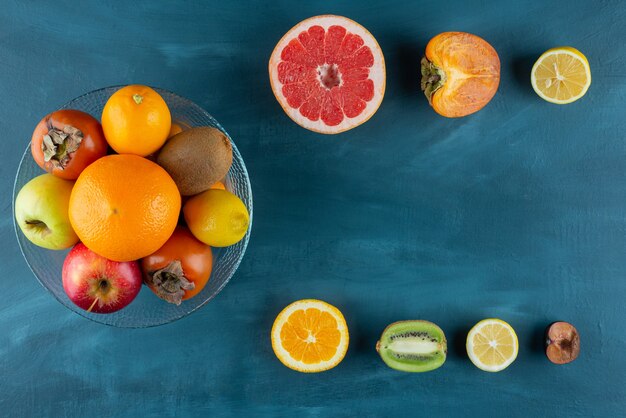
(328, 74)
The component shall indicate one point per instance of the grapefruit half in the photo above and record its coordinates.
(328, 74)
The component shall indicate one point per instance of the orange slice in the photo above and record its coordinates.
(310, 336)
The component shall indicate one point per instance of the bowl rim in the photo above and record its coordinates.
(246, 237)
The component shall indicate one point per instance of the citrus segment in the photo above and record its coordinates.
(328, 74)
(310, 336)
(561, 75)
(492, 345)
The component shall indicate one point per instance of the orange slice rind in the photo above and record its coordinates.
(310, 336)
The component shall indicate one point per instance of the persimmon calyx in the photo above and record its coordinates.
(170, 283)
(433, 78)
(57, 145)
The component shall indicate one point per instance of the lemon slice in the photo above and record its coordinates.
(492, 345)
(561, 75)
(310, 336)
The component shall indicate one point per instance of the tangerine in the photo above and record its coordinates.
(136, 120)
(174, 129)
(124, 207)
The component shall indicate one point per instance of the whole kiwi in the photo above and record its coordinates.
(196, 158)
(413, 346)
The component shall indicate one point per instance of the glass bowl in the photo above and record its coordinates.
(147, 309)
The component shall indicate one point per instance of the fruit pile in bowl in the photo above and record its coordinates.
(138, 219)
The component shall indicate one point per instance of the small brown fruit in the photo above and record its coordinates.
(196, 159)
(562, 343)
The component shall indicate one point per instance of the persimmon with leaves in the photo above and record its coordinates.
(65, 142)
(460, 73)
(180, 269)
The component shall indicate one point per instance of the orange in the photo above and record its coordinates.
(124, 207)
(310, 336)
(174, 129)
(136, 120)
(219, 185)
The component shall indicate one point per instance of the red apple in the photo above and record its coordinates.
(97, 284)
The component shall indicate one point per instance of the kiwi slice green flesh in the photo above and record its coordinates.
(413, 346)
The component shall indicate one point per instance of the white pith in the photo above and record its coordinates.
(292, 363)
(376, 74)
(322, 72)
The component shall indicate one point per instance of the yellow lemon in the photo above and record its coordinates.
(561, 75)
(217, 217)
(492, 345)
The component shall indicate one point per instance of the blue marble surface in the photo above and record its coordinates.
(516, 212)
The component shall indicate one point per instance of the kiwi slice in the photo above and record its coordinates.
(196, 159)
(413, 346)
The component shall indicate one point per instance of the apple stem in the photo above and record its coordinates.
(38, 226)
(92, 305)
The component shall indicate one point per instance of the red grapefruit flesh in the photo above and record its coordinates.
(328, 74)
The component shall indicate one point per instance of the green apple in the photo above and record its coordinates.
(41, 211)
